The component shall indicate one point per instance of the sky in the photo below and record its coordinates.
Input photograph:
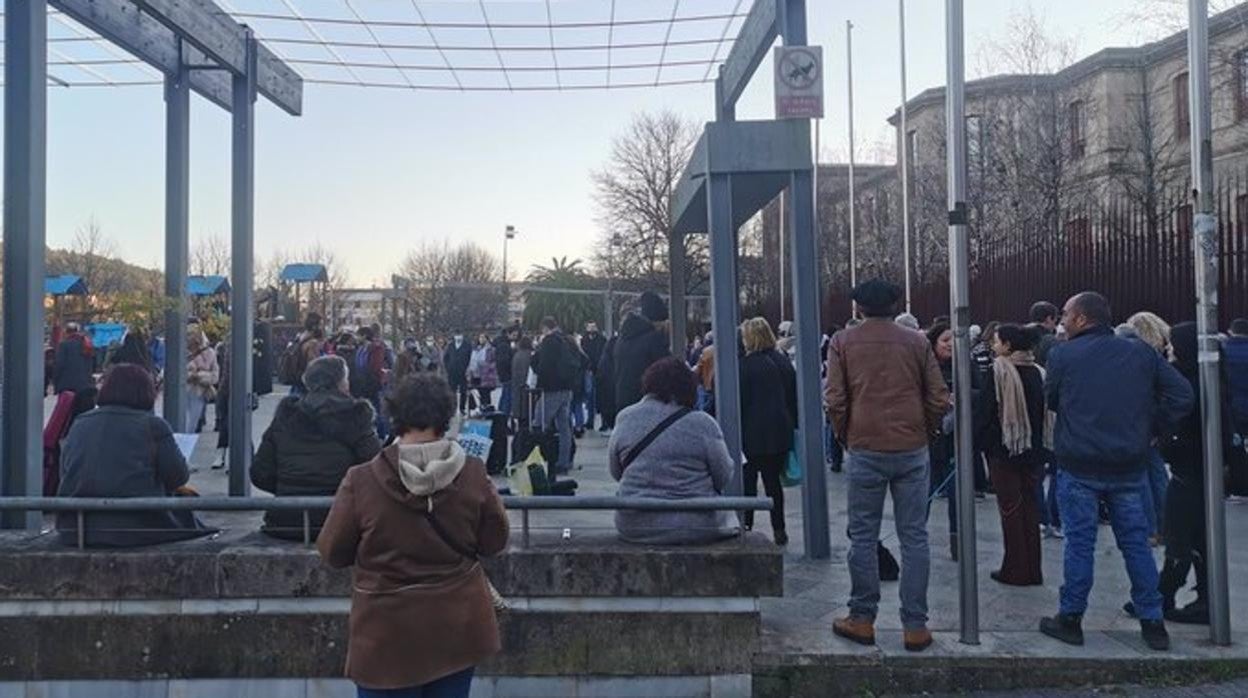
(373, 172)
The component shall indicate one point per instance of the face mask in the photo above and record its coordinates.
(459, 339)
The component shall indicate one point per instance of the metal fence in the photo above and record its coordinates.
(307, 505)
(1139, 261)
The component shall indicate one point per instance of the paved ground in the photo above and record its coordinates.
(816, 591)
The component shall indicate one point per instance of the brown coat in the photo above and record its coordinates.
(419, 610)
(884, 391)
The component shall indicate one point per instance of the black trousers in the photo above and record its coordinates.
(1185, 539)
(770, 467)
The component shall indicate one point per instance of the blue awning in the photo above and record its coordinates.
(65, 285)
(207, 285)
(302, 273)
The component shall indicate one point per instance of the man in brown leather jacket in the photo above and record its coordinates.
(885, 396)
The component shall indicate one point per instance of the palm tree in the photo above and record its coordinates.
(571, 310)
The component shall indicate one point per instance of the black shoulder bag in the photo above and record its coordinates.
(649, 438)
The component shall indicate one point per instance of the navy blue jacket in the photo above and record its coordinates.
(1236, 353)
(1112, 397)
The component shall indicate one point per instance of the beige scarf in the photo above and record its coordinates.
(1012, 403)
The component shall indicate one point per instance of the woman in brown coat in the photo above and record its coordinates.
(413, 522)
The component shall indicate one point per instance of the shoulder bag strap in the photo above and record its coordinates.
(445, 536)
(654, 434)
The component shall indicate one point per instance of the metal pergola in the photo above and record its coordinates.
(736, 169)
(196, 47)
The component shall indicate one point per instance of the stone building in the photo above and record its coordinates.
(1046, 154)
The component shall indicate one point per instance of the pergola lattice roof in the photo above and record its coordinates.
(465, 45)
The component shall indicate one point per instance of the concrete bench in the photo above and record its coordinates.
(245, 606)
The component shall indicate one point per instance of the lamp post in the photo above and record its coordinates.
(509, 233)
(613, 243)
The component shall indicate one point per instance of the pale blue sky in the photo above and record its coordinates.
(375, 172)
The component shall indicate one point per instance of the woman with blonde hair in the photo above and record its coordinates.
(768, 417)
(1155, 332)
(203, 373)
(1151, 330)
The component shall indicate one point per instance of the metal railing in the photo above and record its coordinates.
(82, 505)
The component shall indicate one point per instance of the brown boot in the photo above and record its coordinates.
(856, 629)
(918, 640)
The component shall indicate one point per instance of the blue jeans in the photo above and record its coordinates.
(591, 398)
(833, 454)
(380, 422)
(504, 399)
(1048, 504)
(1078, 498)
(872, 475)
(1155, 483)
(453, 686)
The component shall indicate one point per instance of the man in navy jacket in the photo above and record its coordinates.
(1112, 397)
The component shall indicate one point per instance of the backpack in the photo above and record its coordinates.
(293, 362)
(363, 383)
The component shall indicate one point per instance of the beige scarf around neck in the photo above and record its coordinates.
(1012, 403)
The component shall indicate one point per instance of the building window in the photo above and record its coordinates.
(1182, 108)
(912, 148)
(1078, 134)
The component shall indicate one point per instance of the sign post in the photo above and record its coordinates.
(799, 82)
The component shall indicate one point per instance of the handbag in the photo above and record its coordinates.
(792, 475)
(496, 599)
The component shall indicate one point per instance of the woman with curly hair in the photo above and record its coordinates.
(413, 523)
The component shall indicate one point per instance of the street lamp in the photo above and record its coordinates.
(509, 233)
(613, 243)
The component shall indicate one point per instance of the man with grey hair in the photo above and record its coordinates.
(313, 439)
(907, 321)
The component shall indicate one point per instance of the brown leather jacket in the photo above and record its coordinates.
(419, 609)
(884, 390)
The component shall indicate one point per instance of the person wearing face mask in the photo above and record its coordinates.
(483, 372)
(456, 359)
(592, 344)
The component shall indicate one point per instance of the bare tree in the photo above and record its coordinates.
(92, 256)
(210, 256)
(634, 192)
(1153, 19)
(454, 289)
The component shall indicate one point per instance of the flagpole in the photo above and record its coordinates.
(853, 231)
(905, 154)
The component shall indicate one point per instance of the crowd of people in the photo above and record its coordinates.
(1105, 413)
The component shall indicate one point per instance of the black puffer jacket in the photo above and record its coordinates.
(307, 450)
(640, 344)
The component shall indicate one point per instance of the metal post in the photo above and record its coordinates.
(1205, 241)
(25, 211)
(853, 223)
(724, 316)
(241, 268)
(177, 243)
(803, 254)
(784, 201)
(678, 310)
(959, 289)
(905, 154)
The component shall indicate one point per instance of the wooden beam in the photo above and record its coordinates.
(150, 41)
(207, 27)
(758, 33)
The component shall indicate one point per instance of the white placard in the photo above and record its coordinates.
(799, 82)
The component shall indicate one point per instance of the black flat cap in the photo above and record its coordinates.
(876, 293)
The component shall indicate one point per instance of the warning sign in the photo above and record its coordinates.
(799, 82)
